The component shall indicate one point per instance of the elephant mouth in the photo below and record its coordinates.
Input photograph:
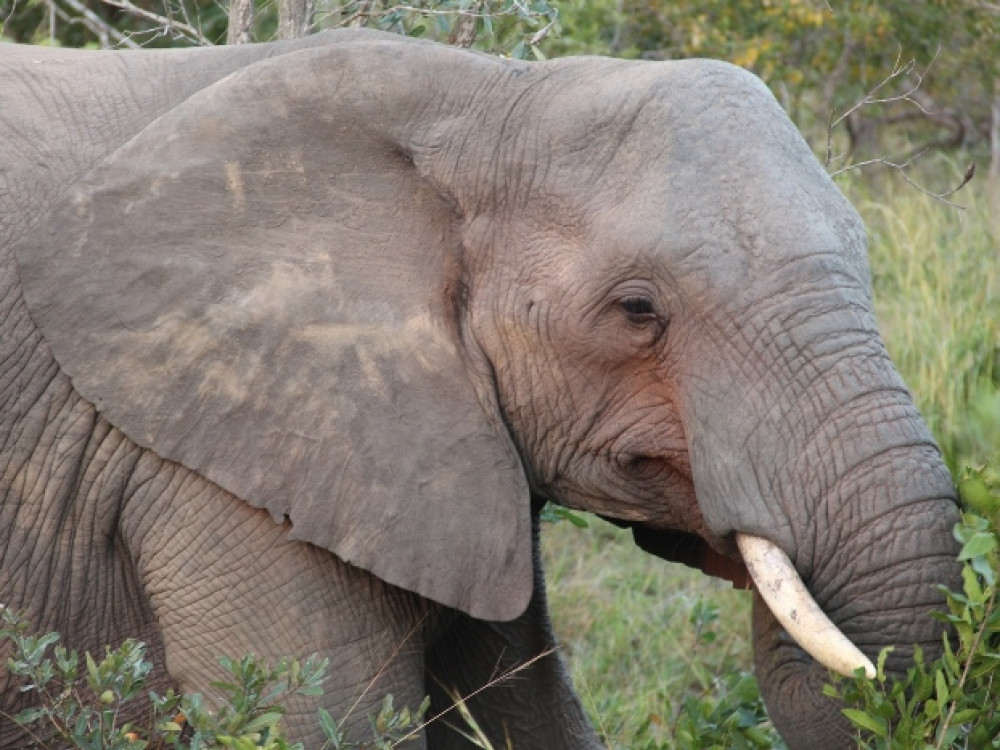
(763, 567)
(693, 551)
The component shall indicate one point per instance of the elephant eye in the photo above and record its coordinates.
(638, 310)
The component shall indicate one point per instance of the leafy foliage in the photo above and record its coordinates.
(953, 702)
(730, 715)
(821, 58)
(505, 27)
(83, 707)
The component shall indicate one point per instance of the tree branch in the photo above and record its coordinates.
(240, 21)
(104, 31)
(295, 17)
(901, 167)
(909, 96)
(463, 33)
(872, 97)
(167, 24)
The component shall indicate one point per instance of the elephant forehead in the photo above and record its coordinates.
(736, 247)
(701, 137)
(700, 165)
(598, 105)
(717, 232)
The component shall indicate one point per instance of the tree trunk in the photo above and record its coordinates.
(240, 21)
(463, 33)
(294, 18)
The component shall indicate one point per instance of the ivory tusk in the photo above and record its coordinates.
(791, 603)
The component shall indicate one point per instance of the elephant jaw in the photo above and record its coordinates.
(767, 569)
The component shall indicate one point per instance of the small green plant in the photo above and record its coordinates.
(657, 651)
(389, 727)
(83, 707)
(950, 703)
(555, 513)
(728, 715)
(252, 709)
(732, 718)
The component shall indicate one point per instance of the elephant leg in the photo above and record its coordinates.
(529, 703)
(225, 579)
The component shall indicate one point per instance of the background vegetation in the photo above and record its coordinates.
(908, 90)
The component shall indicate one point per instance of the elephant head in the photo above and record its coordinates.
(392, 292)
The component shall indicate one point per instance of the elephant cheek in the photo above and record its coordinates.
(791, 683)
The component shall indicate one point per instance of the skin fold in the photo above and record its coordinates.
(298, 338)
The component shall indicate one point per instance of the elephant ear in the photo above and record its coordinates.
(262, 287)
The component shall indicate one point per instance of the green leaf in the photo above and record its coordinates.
(966, 715)
(880, 668)
(980, 544)
(265, 721)
(554, 513)
(31, 715)
(873, 724)
(973, 591)
(34, 647)
(941, 688)
(976, 494)
(93, 676)
(330, 729)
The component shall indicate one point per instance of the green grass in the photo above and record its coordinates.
(936, 275)
(625, 622)
(625, 619)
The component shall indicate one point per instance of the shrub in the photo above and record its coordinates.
(952, 702)
(83, 707)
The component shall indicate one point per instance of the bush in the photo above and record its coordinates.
(952, 702)
(728, 715)
(83, 707)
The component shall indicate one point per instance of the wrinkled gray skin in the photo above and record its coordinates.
(291, 355)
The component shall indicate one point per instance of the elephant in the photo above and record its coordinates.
(298, 339)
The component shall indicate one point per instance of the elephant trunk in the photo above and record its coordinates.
(827, 458)
(882, 544)
(883, 598)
